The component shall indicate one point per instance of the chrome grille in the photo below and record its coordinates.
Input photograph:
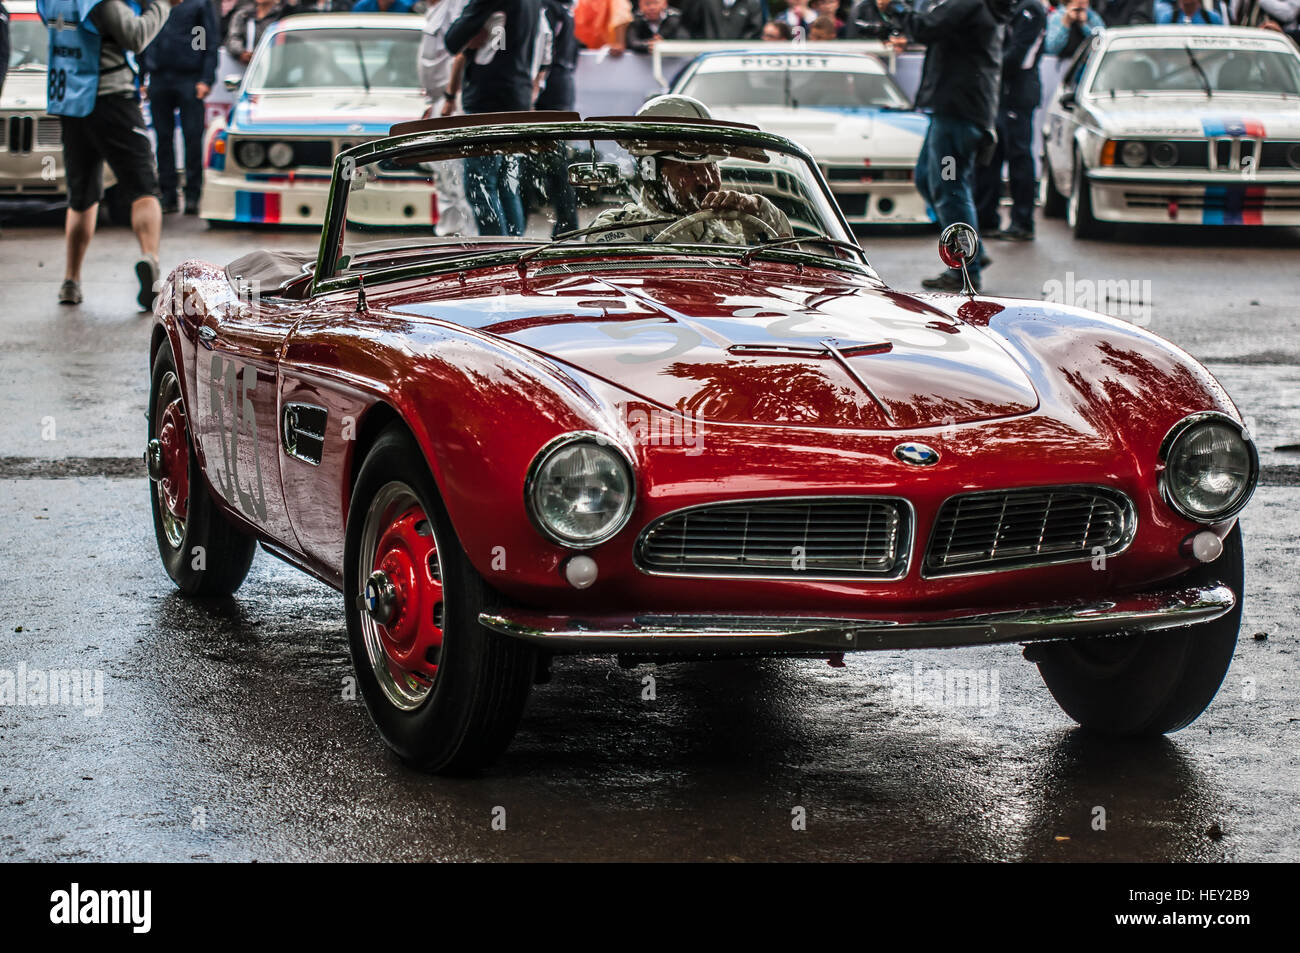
(799, 537)
(48, 132)
(977, 532)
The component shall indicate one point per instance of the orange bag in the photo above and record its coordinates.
(595, 21)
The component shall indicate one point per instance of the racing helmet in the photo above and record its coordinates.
(675, 106)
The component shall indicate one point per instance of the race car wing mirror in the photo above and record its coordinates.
(958, 246)
(595, 175)
(231, 82)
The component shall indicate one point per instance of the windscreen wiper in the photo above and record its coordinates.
(1196, 65)
(361, 58)
(797, 239)
(521, 262)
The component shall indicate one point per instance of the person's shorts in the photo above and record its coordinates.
(115, 133)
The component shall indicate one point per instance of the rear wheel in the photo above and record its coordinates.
(445, 693)
(204, 552)
(1152, 683)
(1052, 201)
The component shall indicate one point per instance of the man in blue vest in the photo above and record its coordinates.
(93, 88)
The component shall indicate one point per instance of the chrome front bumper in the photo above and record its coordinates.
(667, 633)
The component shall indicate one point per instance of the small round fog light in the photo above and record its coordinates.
(580, 571)
(1206, 546)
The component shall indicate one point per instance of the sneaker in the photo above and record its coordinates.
(947, 281)
(69, 292)
(146, 270)
(1015, 234)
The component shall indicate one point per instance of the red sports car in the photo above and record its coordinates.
(650, 399)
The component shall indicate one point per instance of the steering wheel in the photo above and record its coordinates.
(673, 231)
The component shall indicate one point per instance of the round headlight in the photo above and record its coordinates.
(1164, 154)
(280, 154)
(1293, 156)
(580, 490)
(251, 154)
(1133, 154)
(1210, 468)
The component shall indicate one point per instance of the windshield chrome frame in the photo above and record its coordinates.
(324, 279)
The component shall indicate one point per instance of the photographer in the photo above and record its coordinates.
(959, 89)
(93, 90)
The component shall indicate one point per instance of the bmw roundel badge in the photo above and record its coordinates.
(916, 454)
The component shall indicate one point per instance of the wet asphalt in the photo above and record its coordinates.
(225, 733)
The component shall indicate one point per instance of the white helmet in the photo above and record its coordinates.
(675, 106)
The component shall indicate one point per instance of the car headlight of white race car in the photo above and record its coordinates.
(580, 490)
(1210, 467)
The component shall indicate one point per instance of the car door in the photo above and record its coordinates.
(237, 389)
(1064, 116)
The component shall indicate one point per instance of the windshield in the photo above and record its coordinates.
(839, 89)
(29, 42)
(1175, 69)
(355, 58)
(691, 194)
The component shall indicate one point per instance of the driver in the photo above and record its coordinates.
(683, 187)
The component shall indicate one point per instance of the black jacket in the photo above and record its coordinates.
(962, 73)
(172, 54)
(669, 28)
(1022, 49)
(714, 20)
(1126, 12)
(558, 92)
(504, 84)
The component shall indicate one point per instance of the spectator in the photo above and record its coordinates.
(1186, 11)
(821, 30)
(4, 45)
(601, 24)
(180, 66)
(1021, 91)
(797, 17)
(959, 88)
(829, 8)
(655, 21)
(99, 111)
(383, 6)
(247, 26)
(455, 217)
(1126, 12)
(724, 19)
(1069, 25)
(777, 31)
(558, 91)
(1280, 15)
(498, 78)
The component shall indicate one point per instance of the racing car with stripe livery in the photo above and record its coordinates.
(317, 85)
(1183, 125)
(844, 108)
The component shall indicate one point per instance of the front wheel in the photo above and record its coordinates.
(1053, 202)
(1079, 214)
(445, 693)
(1152, 683)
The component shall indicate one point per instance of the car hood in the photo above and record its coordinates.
(1194, 115)
(25, 89)
(832, 133)
(344, 113)
(725, 346)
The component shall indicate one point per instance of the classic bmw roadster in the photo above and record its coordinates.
(661, 406)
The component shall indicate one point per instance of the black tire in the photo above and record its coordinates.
(1053, 202)
(226, 550)
(477, 696)
(1154, 683)
(1079, 206)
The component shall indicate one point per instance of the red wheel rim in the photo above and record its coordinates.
(174, 486)
(412, 637)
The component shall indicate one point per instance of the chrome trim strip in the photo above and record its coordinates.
(1126, 505)
(905, 546)
(1167, 444)
(683, 632)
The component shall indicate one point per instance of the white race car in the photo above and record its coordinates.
(844, 108)
(317, 84)
(31, 143)
(1184, 125)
